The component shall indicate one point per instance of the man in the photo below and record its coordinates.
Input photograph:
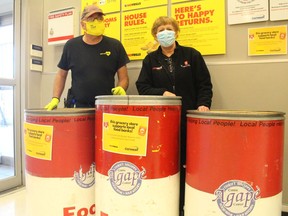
(93, 59)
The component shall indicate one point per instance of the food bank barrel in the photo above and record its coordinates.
(60, 162)
(234, 163)
(137, 155)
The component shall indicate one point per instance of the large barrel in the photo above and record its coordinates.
(234, 163)
(137, 155)
(60, 162)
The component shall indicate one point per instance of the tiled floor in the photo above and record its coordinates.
(13, 203)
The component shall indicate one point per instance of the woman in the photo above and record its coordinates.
(175, 70)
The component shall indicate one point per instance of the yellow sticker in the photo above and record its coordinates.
(267, 41)
(38, 140)
(125, 134)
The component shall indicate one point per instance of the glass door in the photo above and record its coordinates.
(10, 144)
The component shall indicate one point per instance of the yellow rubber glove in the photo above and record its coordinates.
(118, 91)
(53, 104)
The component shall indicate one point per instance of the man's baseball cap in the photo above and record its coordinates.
(89, 10)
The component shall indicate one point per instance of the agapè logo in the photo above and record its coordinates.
(126, 178)
(236, 198)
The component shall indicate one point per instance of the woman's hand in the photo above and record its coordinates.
(203, 108)
(167, 93)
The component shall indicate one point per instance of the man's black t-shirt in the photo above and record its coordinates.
(93, 67)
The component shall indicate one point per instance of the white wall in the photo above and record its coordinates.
(32, 30)
(240, 81)
(52, 54)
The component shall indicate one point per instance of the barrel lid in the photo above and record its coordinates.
(137, 100)
(236, 113)
(60, 111)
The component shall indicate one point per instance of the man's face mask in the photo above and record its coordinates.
(95, 28)
(166, 38)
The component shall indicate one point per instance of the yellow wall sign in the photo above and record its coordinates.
(139, 4)
(202, 25)
(267, 41)
(178, 1)
(38, 140)
(124, 134)
(107, 6)
(112, 25)
(136, 30)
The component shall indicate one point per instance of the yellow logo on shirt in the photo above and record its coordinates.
(107, 53)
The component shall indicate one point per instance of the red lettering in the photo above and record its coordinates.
(66, 211)
(70, 211)
(92, 209)
(135, 16)
(82, 210)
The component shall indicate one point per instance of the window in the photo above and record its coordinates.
(10, 157)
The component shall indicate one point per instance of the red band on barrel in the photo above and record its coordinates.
(163, 130)
(241, 150)
(72, 146)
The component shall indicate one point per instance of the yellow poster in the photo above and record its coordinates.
(136, 31)
(112, 25)
(38, 140)
(138, 4)
(267, 41)
(124, 134)
(178, 1)
(202, 25)
(107, 6)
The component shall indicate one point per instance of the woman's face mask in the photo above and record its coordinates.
(166, 38)
(95, 28)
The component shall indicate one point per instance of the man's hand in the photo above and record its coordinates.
(53, 104)
(118, 91)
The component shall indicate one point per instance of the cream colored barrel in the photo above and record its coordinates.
(60, 163)
(234, 163)
(137, 155)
